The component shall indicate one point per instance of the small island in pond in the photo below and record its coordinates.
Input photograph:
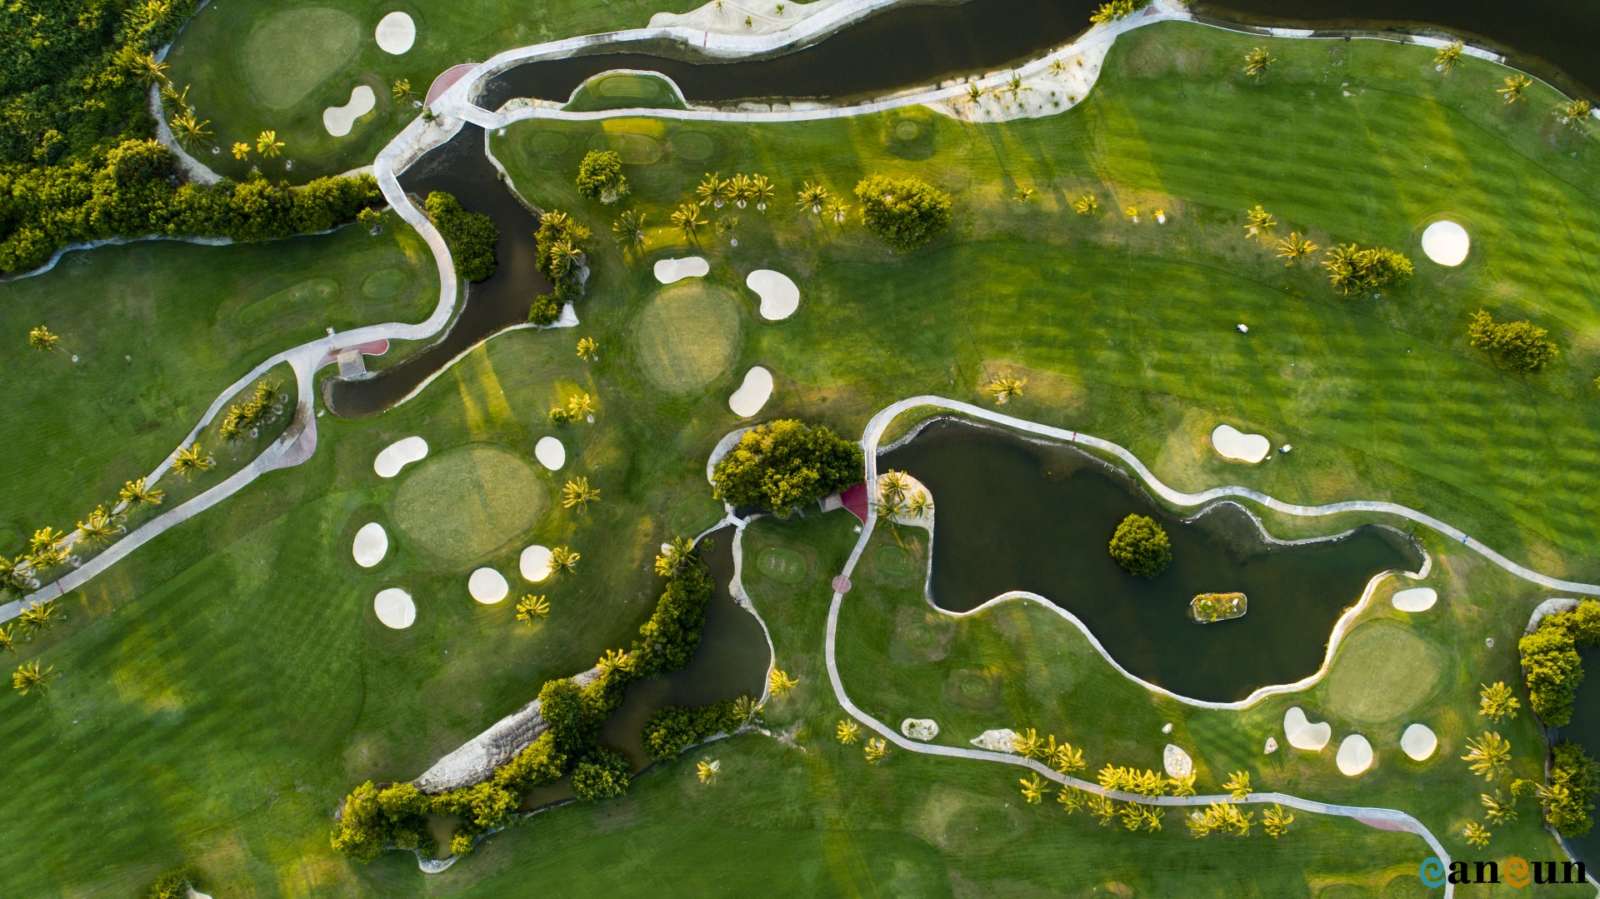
(1209, 608)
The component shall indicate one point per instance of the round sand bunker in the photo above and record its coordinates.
(1355, 755)
(1418, 742)
(535, 563)
(752, 394)
(550, 453)
(488, 586)
(669, 270)
(1446, 243)
(1234, 444)
(396, 32)
(371, 545)
(780, 297)
(395, 608)
(398, 455)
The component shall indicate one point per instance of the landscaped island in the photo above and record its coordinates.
(1209, 608)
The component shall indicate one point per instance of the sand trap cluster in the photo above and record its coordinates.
(1355, 755)
(752, 394)
(1446, 243)
(340, 119)
(396, 32)
(488, 586)
(997, 740)
(1302, 733)
(550, 453)
(394, 608)
(1416, 599)
(398, 455)
(1419, 742)
(371, 545)
(534, 563)
(669, 270)
(1235, 444)
(780, 296)
(920, 728)
(1176, 762)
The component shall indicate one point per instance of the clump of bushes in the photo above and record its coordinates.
(1551, 667)
(1567, 798)
(675, 728)
(472, 236)
(600, 176)
(171, 885)
(905, 212)
(1141, 546)
(603, 774)
(1518, 345)
(1353, 268)
(784, 464)
(562, 259)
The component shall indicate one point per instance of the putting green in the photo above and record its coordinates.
(783, 564)
(291, 52)
(464, 504)
(686, 336)
(1382, 671)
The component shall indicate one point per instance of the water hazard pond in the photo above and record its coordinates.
(1014, 514)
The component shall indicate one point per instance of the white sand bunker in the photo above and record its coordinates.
(1355, 755)
(396, 32)
(371, 545)
(1418, 742)
(670, 270)
(920, 728)
(1176, 761)
(1000, 739)
(395, 608)
(1416, 599)
(535, 563)
(753, 393)
(1235, 444)
(488, 586)
(550, 453)
(398, 455)
(340, 119)
(1303, 734)
(780, 296)
(1446, 243)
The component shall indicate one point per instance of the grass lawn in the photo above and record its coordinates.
(254, 66)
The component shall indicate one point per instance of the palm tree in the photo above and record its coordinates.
(1086, 204)
(241, 150)
(1027, 743)
(1067, 758)
(1488, 756)
(739, 189)
(149, 69)
(1256, 62)
(1102, 808)
(762, 191)
(45, 558)
(1183, 785)
(1237, 784)
(920, 506)
(1275, 821)
(628, 230)
(875, 751)
(29, 677)
(577, 494)
(564, 257)
(1496, 701)
(192, 459)
(1033, 788)
(1005, 388)
(780, 683)
(580, 405)
(1024, 194)
(135, 492)
(1512, 87)
(615, 660)
(745, 709)
(1497, 808)
(1294, 248)
(1574, 111)
(1447, 57)
(1132, 212)
(687, 218)
(42, 338)
(268, 145)
(45, 537)
(974, 94)
(892, 488)
(1476, 834)
(14, 574)
(562, 558)
(175, 97)
(401, 89)
(709, 190)
(191, 129)
(707, 770)
(8, 638)
(99, 526)
(1070, 799)
(813, 197)
(588, 349)
(42, 617)
(846, 732)
(531, 607)
(837, 210)
(672, 556)
(1014, 85)
(1258, 221)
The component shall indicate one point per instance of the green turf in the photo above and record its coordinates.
(687, 335)
(624, 90)
(466, 504)
(293, 51)
(1385, 671)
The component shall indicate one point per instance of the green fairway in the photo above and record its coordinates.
(1384, 672)
(687, 335)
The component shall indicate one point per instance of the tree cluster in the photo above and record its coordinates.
(783, 464)
(472, 236)
(561, 257)
(673, 729)
(600, 176)
(1551, 666)
(602, 774)
(905, 212)
(1567, 799)
(1141, 546)
(1353, 268)
(1518, 345)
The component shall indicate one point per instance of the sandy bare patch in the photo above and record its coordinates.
(997, 740)
(371, 545)
(1235, 444)
(1355, 755)
(1303, 734)
(534, 563)
(1176, 762)
(1415, 599)
(780, 296)
(752, 394)
(398, 455)
(488, 586)
(920, 728)
(550, 453)
(338, 120)
(1446, 243)
(1419, 742)
(669, 270)
(396, 32)
(741, 16)
(394, 608)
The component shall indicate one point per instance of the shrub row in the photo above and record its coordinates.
(1518, 345)
(1551, 666)
(675, 728)
(1568, 798)
(561, 257)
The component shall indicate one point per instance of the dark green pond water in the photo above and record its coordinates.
(1585, 731)
(1013, 514)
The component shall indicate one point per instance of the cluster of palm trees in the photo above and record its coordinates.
(1488, 756)
(241, 417)
(49, 548)
(897, 497)
(712, 193)
(579, 407)
(1513, 88)
(30, 677)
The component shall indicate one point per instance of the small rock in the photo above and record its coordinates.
(1166, 728)
(1271, 747)
(1489, 642)
(1243, 328)
(920, 728)
(1286, 449)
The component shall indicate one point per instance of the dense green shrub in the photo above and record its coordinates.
(1518, 345)
(602, 774)
(905, 212)
(1141, 546)
(545, 309)
(668, 639)
(1551, 666)
(472, 236)
(600, 176)
(171, 885)
(784, 464)
(673, 729)
(1352, 268)
(573, 724)
(1567, 799)
(373, 820)
(537, 763)
(484, 806)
